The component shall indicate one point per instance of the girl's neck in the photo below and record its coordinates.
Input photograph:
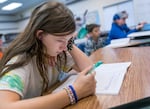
(52, 60)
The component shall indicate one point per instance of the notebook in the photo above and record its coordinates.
(109, 78)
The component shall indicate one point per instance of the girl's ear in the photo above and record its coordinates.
(39, 34)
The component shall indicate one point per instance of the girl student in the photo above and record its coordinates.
(35, 60)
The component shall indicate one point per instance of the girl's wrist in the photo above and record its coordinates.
(71, 92)
(76, 88)
(70, 44)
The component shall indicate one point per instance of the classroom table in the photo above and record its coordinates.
(139, 34)
(141, 38)
(136, 84)
(130, 43)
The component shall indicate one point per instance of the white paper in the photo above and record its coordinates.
(109, 78)
(119, 42)
(69, 81)
(79, 41)
(139, 34)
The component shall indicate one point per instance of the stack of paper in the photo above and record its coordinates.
(139, 34)
(109, 78)
(119, 42)
(122, 40)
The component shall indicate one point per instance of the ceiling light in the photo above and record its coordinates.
(2, 1)
(11, 6)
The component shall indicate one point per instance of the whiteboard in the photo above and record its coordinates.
(108, 16)
(109, 11)
(142, 8)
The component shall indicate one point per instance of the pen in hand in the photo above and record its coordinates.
(94, 67)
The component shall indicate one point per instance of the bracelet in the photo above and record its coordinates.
(74, 93)
(70, 95)
(70, 44)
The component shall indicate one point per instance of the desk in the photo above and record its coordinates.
(139, 34)
(135, 42)
(136, 39)
(136, 83)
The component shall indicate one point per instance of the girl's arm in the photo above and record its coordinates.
(82, 61)
(11, 100)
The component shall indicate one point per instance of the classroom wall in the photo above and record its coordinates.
(93, 5)
(141, 11)
(14, 23)
(77, 8)
(8, 23)
(24, 19)
(141, 8)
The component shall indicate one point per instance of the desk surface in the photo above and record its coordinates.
(136, 83)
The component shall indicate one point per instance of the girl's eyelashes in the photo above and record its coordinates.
(61, 41)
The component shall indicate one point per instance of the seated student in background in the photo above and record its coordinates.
(39, 58)
(81, 32)
(80, 25)
(94, 39)
(119, 27)
(1, 48)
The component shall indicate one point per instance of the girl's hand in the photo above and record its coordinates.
(85, 84)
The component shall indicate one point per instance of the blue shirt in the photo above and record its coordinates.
(117, 32)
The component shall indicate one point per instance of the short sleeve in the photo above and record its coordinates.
(16, 81)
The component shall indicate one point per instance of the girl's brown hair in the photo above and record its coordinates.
(51, 17)
(91, 27)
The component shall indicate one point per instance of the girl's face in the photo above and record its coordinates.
(56, 44)
(96, 32)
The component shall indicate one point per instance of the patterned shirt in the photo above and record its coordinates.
(27, 82)
(91, 45)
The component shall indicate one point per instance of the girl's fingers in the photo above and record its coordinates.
(85, 71)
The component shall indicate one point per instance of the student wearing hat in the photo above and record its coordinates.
(119, 28)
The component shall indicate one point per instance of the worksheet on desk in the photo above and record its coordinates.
(109, 78)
